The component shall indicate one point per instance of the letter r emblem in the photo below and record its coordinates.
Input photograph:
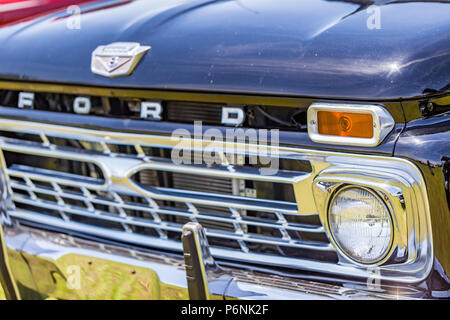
(151, 110)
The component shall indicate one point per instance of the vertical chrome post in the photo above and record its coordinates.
(196, 255)
(205, 279)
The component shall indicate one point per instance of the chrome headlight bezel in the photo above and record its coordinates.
(401, 186)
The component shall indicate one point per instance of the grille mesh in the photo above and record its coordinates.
(190, 112)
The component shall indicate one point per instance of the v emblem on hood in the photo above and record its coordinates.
(117, 59)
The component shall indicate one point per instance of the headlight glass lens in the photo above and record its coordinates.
(360, 224)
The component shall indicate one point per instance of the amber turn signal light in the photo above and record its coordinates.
(348, 124)
(345, 124)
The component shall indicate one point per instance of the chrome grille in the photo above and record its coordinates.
(63, 205)
(104, 198)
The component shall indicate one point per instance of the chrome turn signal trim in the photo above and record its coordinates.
(382, 125)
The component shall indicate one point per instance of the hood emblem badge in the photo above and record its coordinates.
(117, 59)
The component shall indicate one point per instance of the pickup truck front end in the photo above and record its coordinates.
(161, 152)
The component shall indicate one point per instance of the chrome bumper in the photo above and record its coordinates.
(48, 264)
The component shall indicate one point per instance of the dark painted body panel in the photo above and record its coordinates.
(312, 48)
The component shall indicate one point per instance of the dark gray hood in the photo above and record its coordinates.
(304, 48)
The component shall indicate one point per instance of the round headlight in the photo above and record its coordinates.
(360, 224)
